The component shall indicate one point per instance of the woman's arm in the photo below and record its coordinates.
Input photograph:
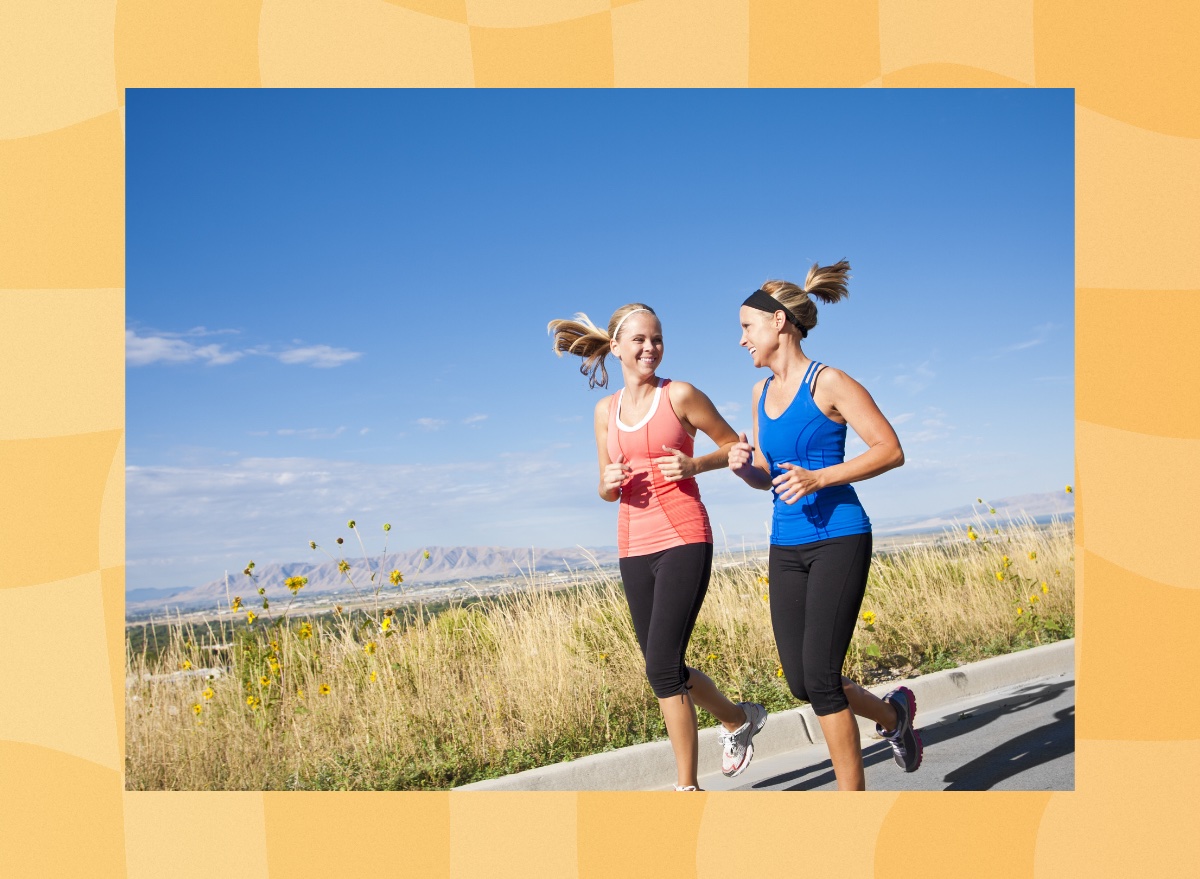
(742, 458)
(850, 401)
(696, 411)
(612, 473)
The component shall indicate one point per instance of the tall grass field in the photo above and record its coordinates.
(403, 700)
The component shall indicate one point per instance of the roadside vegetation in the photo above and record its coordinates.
(429, 698)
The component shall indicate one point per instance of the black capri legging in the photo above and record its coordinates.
(665, 590)
(816, 592)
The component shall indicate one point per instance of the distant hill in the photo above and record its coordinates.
(444, 564)
(478, 562)
(1035, 506)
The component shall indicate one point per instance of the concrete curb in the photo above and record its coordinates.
(651, 766)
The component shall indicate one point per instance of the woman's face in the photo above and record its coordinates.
(639, 345)
(759, 335)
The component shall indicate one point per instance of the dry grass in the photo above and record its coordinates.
(540, 676)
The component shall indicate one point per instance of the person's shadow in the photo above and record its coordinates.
(1030, 749)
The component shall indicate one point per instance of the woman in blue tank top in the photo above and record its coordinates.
(820, 534)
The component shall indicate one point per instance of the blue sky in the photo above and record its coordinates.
(337, 301)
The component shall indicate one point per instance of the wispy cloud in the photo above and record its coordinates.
(311, 432)
(431, 423)
(934, 425)
(474, 420)
(169, 347)
(320, 356)
(163, 348)
(1037, 336)
(914, 379)
(214, 516)
(202, 331)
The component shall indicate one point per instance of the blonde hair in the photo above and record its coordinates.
(827, 283)
(584, 339)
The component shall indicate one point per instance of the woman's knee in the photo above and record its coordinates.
(827, 695)
(666, 679)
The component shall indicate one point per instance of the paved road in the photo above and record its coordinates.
(1017, 738)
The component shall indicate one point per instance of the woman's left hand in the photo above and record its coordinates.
(677, 466)
(795, 483)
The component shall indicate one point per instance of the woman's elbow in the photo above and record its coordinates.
(897, 457)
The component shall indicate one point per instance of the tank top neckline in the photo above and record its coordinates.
(646, 418)
(813, 366)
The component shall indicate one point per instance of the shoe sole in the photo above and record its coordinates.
(749, 751)
(912, 713)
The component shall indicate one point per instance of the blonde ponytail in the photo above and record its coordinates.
(826, 283)
(584, 339)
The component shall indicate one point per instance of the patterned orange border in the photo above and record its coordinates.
(62, 76)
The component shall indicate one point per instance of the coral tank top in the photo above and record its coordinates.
(654, 514)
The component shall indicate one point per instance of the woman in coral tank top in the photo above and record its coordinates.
(644, 438)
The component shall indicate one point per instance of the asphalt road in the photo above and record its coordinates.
(1017, 738)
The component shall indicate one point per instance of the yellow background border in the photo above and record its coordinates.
(62, 76)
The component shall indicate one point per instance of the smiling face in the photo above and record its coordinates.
(760, 335)
(639, 344)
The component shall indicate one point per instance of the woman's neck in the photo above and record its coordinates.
(638, 387)
(789, 362)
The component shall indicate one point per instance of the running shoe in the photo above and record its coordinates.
(687, 787)
(737, 747)
(904, 739)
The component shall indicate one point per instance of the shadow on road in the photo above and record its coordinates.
(1018, 755)
(1030, 749)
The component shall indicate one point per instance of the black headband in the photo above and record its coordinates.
(764, 301)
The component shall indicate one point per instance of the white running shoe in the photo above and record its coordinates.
(737, 747)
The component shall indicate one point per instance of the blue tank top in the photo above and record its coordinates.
(806, 436)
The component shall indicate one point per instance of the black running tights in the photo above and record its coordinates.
(816, 592)
(665, 590)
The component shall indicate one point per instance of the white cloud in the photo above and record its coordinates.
(915, 378)
(431, 423)
(1039, 334)
(901, 418)
(311, 432)
(320, 356)
(164, 348)
(474, 420)
(216, 516)
(203, 331)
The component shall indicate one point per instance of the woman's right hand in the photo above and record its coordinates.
(615, 474)
(741, 456)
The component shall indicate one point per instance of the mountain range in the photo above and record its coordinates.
(1035, 506)
(456, 563)
(443, 564)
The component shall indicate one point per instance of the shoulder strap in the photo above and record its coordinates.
(812, 385)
